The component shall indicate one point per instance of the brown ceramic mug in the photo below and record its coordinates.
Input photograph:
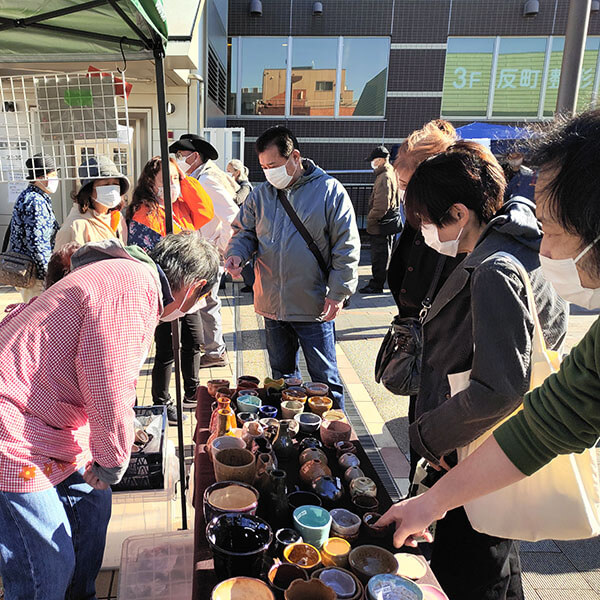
(235, 464)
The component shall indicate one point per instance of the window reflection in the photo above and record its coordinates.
(232, 74)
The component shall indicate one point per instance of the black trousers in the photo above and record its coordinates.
(381, 251)
(474, 566)
(191, 337)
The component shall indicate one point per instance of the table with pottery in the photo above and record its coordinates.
(287, 501)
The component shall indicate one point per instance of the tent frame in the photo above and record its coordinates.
(157, 47)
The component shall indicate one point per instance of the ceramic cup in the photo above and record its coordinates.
(267, 412)
(312, 454)
(309, 423)
(302, 554)
(294, 393)
(335, 415)
(296, 499)
(291, 408)
(284, 537)
(363, 486)
(343, 447)
(313, 523)
(240, 588)
(225, 441)
(392, 586)
(224, 392)
(319, 404)
(370, 525)
(334, 552)
(348, 460)
(293, 381)
(335, 431)
(248, 379)
(234, 464)
(352, 473)
(229, 497)
(281, 575)
(248, 403)
(365, 504)
(344, 523)
(313, 589)
(343, 582)
(244, 417)
(214, 385)
(368, 561)
(316, 389)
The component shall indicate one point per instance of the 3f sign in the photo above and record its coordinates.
(463, 81)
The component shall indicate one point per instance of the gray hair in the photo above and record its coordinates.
(186, 258)
(238, 165)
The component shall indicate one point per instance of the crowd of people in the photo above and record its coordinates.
(475, 253)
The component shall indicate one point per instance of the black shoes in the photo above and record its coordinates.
(368, 289)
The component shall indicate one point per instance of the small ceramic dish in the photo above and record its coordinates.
(410, 566)
(303, 555)
(368, 561)
(386, 585)
(241, 588)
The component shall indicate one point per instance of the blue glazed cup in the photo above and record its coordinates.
(313, 524)
(267, 412)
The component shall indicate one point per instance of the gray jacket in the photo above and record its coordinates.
(483, 305)
(290, 286)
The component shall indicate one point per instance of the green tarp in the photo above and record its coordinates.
(80, 31)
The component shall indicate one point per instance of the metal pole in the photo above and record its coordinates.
(164, 155)
(572, 61)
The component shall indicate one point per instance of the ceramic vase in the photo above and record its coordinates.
(284, 446)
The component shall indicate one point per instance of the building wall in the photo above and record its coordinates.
(418, 31)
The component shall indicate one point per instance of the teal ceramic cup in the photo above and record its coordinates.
(313, 524)
(249, 404)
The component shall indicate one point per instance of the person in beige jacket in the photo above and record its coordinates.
(383, 197)
(96, 215)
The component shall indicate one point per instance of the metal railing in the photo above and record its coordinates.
(359, 194)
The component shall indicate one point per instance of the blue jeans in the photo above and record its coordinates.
(52, 542)
(284, 339)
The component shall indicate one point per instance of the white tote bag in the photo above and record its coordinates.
(561, 500)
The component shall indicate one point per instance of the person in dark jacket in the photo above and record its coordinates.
(477, 341)
(521, 179)
(383, 197)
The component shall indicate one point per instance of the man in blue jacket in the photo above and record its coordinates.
(297, 298)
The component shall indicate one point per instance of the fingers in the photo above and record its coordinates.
(444, 464)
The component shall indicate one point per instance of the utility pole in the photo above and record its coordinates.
(572, 61)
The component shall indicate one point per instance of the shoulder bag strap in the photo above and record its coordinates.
(312, 246)
(6, 238)
(426, 304)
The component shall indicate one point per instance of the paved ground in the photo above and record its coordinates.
(552, 570)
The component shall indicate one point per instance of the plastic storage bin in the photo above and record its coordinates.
(157, 567)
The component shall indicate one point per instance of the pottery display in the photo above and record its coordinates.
(294, 393)
(314, 589)
(284, 537)
(229, 497)
(308, 422)
(291, 408)
(250, 431)
(248, 403)
(313, 523)
(334, 552)
(334, 431)
(329, 489)
(296, 499)
(302, 554)
(239, 544)
(352, 473)
(273, 384)
(370, 525)
(344, 523)
(342, 582)
(277, 502)
(348, 460)
(384, 586)
(410, 566)
(214, 385)
(309, 442)
(235, 464)
(335, 415)
(313, 469)
(244, 417)
(363, 486)
(293, 381)
(343, 447)
(283, 446)
(319, 404)
(242, 588)
(365, 504)
(368, 561)
(267, 412)
(281, 575)
(312, 454)
(316, 389)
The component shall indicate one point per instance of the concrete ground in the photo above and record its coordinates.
(552, 570)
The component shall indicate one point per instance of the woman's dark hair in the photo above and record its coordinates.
(145, 189)
(568, 151)
(466, 173)
(59, 264)
(279, 136)
(84, 198)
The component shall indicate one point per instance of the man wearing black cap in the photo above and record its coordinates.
(383, 197)
(195, 157)
(33, 225)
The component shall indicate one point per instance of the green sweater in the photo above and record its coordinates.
(562, 415)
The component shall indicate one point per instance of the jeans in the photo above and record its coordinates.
(52, 542)
(191, 340)
(212, 326)
(284, 339)
(381, 251)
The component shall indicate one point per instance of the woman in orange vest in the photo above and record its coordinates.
(192, 208)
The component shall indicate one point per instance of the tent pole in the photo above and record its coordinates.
(159, 56)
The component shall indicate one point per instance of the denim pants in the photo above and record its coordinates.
(52, 542)
(317, 340)
(190, 339)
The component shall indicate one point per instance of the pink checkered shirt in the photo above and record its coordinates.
(69, 363)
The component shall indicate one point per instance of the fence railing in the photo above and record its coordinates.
(359, 194)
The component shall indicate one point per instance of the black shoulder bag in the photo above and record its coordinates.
(299, 225)
(16, 269)
(398, 364)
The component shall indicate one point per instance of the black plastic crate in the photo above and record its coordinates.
(146, 470)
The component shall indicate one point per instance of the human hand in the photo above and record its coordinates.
(412, 517)
(91, 479)
(443, 465)
(233, 265)
(331, 308)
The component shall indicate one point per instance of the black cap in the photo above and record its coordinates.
(39, 165)
(379, 152)
(194, 143)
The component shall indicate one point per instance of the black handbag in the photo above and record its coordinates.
(398, 364)
(391, 223)
(16, 269)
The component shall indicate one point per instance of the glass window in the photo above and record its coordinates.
(467, 77)
(519, 77)
(364, 77)
(263, 76)
(314, 67)
(232, 73)
(588, 73)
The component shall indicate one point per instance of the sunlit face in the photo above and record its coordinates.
(158, 181)
(270, 159)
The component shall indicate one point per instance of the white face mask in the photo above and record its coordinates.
(108, 195)
(431, 236)
(175, 191)
(278, 177)
(52, 184)
(564, 277)
(374, 164)
(178, 313)
(183, 165)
